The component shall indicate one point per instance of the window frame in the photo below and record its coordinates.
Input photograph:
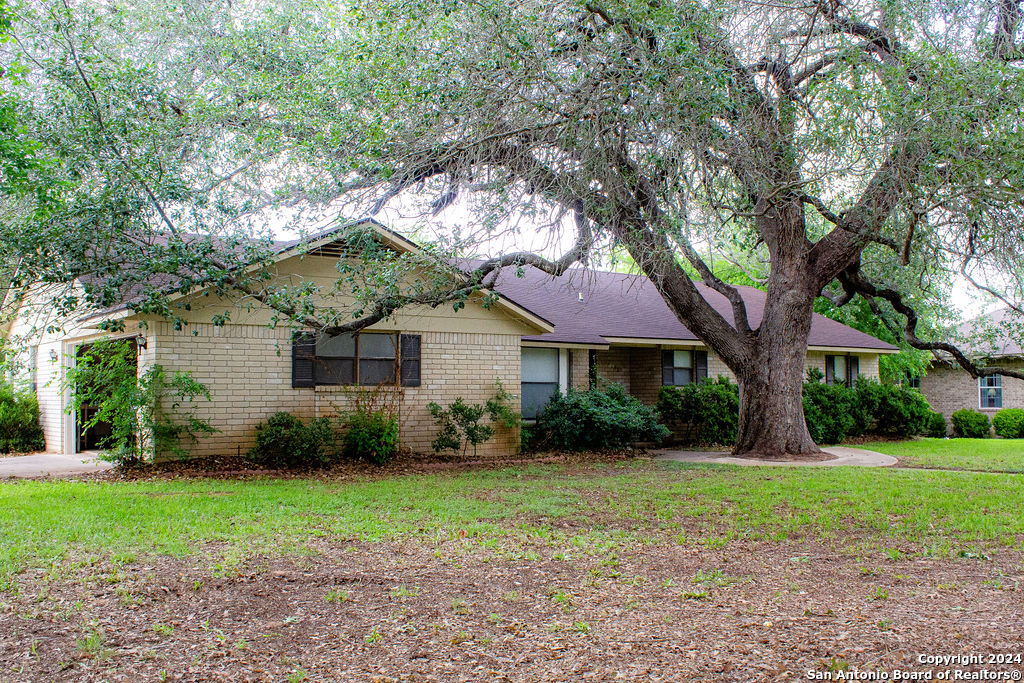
(692, 368)
(557, 384)
(357, 360)
(983, 387)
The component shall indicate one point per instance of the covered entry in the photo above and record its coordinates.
(99, 368)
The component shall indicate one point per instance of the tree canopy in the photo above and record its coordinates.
(866, 150)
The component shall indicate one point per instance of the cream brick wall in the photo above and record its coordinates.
(248, 371)
(950, 389)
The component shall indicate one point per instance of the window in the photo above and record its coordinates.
(911, 381)
(842, 369)
(990, 391)
(366, 358)
(539, 380)
(679, 368)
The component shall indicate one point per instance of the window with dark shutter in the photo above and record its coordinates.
(409, 361)
(830, 369)
(303, 359)
(678, 368)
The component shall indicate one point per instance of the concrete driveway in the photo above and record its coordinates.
(844, 456)
(51, 465)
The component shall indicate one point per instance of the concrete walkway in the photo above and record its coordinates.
(51, 465)
(844, 456)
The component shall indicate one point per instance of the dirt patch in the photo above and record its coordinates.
(457, 611)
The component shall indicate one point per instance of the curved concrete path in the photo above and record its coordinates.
(848, 457)
(51, 465)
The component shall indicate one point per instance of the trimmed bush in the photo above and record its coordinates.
(830, 411)
(711, 407)
(890, 410)
(284, 441)
(936, 425)
(596, 420)
(372, 436)
(969, 424)
(20, 431)
(1009, 423)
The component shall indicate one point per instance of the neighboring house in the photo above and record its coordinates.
(542, 336)
(948, 387)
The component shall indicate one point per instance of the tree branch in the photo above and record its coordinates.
(853, 279)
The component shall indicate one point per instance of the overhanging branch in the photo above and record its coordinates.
(854, 281)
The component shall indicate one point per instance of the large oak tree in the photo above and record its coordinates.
(866, 149)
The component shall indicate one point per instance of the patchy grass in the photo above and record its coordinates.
(983, 455)
(61, 526)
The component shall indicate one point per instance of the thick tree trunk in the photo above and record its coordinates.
(771, 382)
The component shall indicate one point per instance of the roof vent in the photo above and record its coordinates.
(579, 295)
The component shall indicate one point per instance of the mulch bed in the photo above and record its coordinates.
(233, 467)
(456, 612)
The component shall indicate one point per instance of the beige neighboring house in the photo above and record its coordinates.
(949, 388)
(542, 336)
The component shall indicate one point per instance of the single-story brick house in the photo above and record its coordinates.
(543, 335)
(949, 388)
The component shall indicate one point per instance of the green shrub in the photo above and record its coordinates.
(372, 436)
(711, 407)
(20, 431)
(595, 420)
(830, 411)
(890, 410)
(969, 424)
(1009, 423)
(459, 425)
(936, 425)
(284, 441)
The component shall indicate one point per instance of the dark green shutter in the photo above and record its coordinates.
(700, 365)
(303, 358)
(830, 369)
(667, 369)
(410, 360)
(852, 368)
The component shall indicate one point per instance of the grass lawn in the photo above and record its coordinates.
(992, 455)
(636, 569)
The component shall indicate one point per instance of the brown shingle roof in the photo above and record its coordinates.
(621, 305)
